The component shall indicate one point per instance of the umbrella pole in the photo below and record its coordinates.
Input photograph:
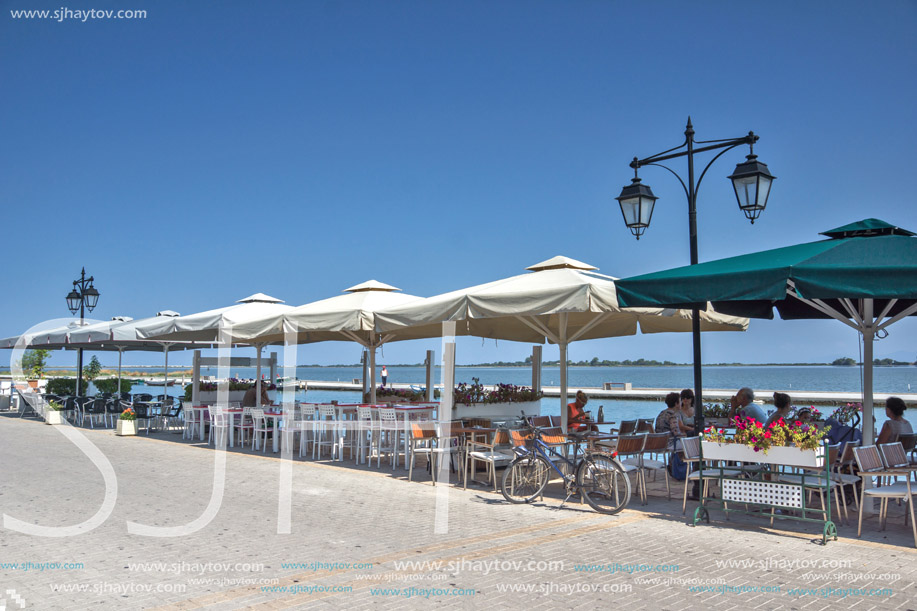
(372, 375)
(562, 344)
(868, 338)
(258, 377)
(120, 353)
(563, 386)
(165, 379)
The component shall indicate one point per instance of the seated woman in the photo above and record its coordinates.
(782, 403)
(896, 424)
(686, 412)
(667, 420)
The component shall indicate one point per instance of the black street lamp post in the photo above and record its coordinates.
(752, 183)
(83, 296)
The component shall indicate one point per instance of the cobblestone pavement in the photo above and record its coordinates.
(367, 538)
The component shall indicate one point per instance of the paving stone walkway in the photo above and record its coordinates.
(364, 538)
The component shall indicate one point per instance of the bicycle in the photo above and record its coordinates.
(599, 477)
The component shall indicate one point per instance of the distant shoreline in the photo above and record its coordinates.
(129, 369)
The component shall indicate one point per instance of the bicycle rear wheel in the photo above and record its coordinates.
(525, 479)
(604, 483)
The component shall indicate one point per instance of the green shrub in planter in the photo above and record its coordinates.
(61, 386)
(110, 385)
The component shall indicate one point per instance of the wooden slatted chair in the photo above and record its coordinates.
(630, 452)
(870, 464)
(628, 427)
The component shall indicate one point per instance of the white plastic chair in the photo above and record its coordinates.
(219, 426)
(260, 429)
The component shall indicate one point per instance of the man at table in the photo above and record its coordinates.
(742, 406)
(577, 420)
(249, 400)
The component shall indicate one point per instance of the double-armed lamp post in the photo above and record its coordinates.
(751, 181)
(83, 297)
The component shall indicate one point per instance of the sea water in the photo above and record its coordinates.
(783, 378)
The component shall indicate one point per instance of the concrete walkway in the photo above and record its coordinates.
(366, 538)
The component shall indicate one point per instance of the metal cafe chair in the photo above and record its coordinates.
(870, 464)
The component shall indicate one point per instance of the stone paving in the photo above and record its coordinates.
(366, 538)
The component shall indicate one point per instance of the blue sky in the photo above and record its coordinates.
(214, 150)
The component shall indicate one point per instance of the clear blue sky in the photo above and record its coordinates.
(214, 150)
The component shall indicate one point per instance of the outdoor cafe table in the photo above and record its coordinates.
(274, 416)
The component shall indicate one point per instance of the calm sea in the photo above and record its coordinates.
(783, 378)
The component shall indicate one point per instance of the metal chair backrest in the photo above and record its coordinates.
(555, 420)
(691, 448)
(142, 410)
(645, 425)
(307, 411)
(327, 412)
(98, 406)
(893, 455)
(388, 416)
(628, 427)
(629, 445)
(257, 416)
(541, 421)
(501, 437)
(365, 414)
(868, 459)
(847, 457)
(656, 443)
(833, 452)
(143, 397)
(908, 441)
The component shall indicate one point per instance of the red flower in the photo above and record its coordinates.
(767, 435)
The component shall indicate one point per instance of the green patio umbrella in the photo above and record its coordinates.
(864, 275)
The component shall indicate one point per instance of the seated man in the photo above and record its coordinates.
(250, 398)
(742, 406)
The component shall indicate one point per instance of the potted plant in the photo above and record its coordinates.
(505, 400)
(793, 443)
(53, 413)
(33, 365)
(127, 423)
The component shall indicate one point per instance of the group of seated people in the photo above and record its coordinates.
(677, 418)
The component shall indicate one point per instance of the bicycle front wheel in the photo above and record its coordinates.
(603, 483)
(525, 479)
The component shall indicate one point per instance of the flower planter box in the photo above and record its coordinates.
(778, 455)
(126, 427)
(499, 410)
(209, 397)
(53, 416)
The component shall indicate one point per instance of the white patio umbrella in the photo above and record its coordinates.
(561, 301)
(347, 317)
(49, 339)
(122, 335)
(213, 326)
(119, 334)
